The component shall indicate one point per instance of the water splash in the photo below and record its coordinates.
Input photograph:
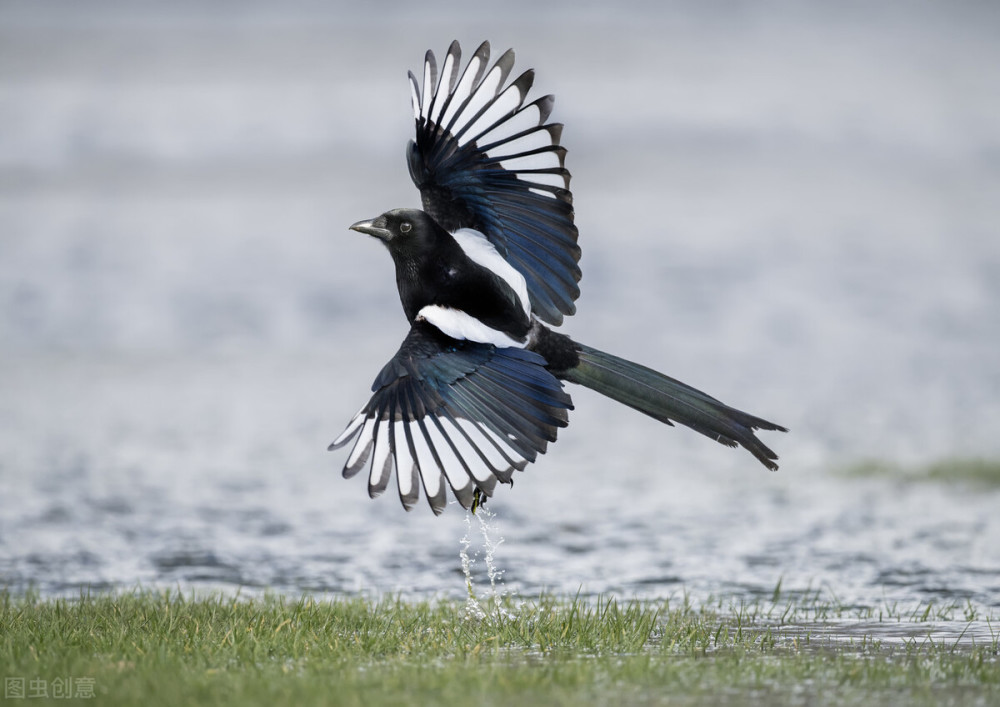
(492, 604)
(472, 608)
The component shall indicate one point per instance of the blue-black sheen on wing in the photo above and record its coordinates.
(453, 413)
(484, 159)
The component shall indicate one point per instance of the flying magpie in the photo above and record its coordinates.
(476, 389)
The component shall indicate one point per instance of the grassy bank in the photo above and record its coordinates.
(975, 472)
(164, 648)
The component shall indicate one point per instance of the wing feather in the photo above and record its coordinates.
(450, 413)
(483, 159)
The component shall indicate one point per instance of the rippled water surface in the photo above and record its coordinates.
(792, 209)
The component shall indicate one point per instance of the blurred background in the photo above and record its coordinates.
(793, 206)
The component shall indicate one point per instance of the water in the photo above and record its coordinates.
(793, 208)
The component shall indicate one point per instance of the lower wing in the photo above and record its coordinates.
(453, 413)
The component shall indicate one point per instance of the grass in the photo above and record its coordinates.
(970, 471)
(164, 648)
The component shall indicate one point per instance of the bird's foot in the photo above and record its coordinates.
(478, 500)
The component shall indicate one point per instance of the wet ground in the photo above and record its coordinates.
(792, 209)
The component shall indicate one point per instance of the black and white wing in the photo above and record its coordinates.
(453, 413)
(483, 159)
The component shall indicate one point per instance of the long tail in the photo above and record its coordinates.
(659, 396)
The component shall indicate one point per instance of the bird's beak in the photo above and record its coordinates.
(373, 227)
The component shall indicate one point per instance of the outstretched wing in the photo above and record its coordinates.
(453, 413)
(482, 159)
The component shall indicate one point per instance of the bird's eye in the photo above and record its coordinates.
(405, 227)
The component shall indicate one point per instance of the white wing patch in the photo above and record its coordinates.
(481, 251)
(460, 325)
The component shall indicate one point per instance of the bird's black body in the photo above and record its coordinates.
(432, 269)
(475, 390)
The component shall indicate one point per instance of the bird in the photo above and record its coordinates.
(485, 270)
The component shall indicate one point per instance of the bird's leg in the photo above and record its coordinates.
(478, 500)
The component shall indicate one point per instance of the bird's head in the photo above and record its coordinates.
(401, 230)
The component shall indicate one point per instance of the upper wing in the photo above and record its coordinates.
(453, 411)
(484, 160)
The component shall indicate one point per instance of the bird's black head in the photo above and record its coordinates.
(404, 231)
(417, 244)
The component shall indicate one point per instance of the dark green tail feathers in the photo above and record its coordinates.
(669, 400)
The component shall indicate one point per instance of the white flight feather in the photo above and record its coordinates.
(428, 90)
(429, 472)
(540, 160)
(444, 87)
(506, 103)
(525, 119)
(525, 143)
(453, 468)
(404, 462)
(541, 192)
(352, 427)
(415, 97)
(381, 457)
(463, 90)
(481, 439)
(552, 180)
(362, 444)
(485, 92)
(479, 469)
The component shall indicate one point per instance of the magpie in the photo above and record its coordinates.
(475, 391)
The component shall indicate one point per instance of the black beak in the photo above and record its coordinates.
(373, 227)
